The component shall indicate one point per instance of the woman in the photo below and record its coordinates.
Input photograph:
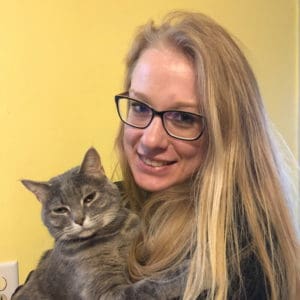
(194, 127)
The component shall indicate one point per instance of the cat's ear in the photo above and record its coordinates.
(40, 189)
(91, 164)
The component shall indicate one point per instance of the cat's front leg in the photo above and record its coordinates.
(29, 291)
(169, 285)
(132, 292)
(162, 289)
(149, 290)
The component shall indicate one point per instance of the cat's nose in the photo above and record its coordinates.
(78, 219)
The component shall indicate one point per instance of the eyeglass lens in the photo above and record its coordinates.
(178, 124)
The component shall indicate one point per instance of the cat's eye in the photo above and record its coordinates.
(60, 210)
(89, 198)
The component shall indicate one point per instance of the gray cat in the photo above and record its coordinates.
(92, 230)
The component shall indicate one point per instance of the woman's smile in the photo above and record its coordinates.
(154, 162)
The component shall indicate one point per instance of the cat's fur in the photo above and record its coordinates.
(92, 231)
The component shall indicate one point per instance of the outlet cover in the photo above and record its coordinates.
(9, 278)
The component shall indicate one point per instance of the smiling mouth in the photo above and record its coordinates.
(155, 163)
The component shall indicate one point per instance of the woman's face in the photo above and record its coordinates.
(165, 79)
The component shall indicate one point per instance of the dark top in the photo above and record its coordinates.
(254, 286)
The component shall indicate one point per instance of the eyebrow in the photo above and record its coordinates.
(178, 105)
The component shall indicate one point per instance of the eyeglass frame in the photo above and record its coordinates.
(160, 114)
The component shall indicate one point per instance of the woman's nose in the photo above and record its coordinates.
(155, 136)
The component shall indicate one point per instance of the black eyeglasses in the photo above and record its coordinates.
(178, 124)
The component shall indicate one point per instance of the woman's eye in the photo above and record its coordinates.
(139, 108)
(90, 197)
(182, 118)
(60, 210)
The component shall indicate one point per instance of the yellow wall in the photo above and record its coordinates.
(61, 62)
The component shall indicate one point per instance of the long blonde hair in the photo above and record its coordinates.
(235, 207)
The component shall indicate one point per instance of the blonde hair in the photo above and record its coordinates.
(236, 209)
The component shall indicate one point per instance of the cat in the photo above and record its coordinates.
(92, 231)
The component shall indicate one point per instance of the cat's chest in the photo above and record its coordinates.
(84, 254)
(90, 249)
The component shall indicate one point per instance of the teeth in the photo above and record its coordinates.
(154, 163)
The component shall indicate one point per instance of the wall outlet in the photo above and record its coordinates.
(9, 279)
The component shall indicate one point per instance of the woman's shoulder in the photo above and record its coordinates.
(120, 185)
(252, 284)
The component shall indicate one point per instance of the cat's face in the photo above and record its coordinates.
(79, 202)
(79, 207)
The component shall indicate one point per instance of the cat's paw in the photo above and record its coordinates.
(142, 290)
